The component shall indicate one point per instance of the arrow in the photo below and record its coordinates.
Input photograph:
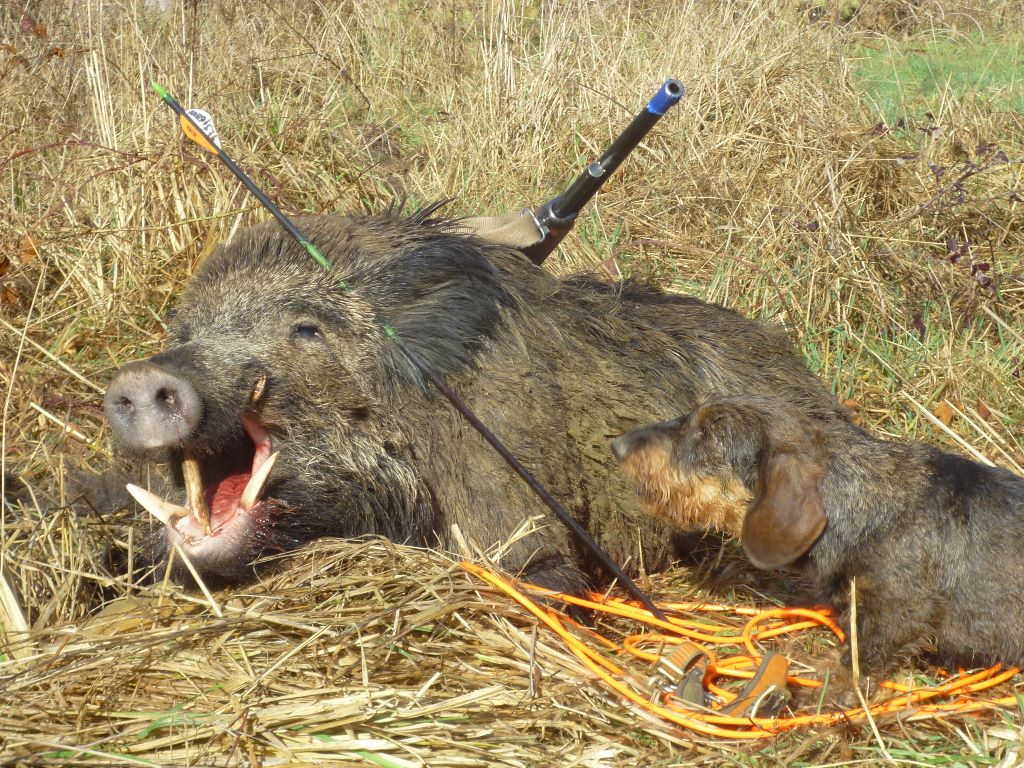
(198, 126)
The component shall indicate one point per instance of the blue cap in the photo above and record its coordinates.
(671, 92)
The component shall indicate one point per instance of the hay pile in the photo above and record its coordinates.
(892, 249)
(359, 652)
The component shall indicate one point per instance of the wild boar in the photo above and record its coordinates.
(270, 357)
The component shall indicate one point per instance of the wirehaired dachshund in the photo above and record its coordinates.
(935, 541)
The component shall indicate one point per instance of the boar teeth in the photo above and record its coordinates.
(194, 489)
(163, 511)
(254, 487)
(258, 387)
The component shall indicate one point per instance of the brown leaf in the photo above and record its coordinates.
(918, 324)
(5, 264)
(31, 26)
(9, 296)
(944, 413)
(983, 411)
(611, 267)
(29, 252)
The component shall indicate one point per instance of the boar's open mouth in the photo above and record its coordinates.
(222, 491)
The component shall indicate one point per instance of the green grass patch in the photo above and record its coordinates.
(918, 76)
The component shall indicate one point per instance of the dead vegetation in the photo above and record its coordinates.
(892, 248)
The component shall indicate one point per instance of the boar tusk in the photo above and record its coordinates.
(164, 511)
(194, 489)
(254, 487)
(258, 388)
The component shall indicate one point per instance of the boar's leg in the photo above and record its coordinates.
(554, 572)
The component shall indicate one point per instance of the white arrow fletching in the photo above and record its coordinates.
(205, 122)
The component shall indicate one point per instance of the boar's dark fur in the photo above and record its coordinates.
(556, 367)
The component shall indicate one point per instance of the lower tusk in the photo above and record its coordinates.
(254, 487)
(194, 489)
(164, 511)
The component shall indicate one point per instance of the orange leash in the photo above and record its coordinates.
(956, 695)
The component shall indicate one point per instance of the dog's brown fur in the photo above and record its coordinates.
(934, 540)
(684, 499)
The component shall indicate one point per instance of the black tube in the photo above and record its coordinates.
(555, 218)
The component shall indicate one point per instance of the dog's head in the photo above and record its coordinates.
(744, 465)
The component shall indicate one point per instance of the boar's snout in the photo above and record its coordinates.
(150, 407)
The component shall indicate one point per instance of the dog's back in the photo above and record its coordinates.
(936, 543)
(985, 505)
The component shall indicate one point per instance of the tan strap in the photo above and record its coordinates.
(515, 230)
(682, 672)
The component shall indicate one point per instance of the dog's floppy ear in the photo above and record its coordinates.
(787, 516)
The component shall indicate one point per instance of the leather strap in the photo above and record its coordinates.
(765, 694)
(682, 673)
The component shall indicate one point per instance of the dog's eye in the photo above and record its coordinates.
(307, 331)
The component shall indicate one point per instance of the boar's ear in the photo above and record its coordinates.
(446, 300)
(787, 516)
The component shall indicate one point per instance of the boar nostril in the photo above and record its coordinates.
(167, 397)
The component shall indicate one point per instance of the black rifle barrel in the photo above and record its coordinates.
(556, 217)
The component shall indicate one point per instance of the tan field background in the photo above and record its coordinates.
(799, 181)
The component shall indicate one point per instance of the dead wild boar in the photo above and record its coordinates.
(292, 415)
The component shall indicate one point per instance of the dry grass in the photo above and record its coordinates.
(359, 652)
(772, 189)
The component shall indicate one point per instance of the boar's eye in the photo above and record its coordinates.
(306, 330)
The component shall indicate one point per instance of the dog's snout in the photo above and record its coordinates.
(151, 407)
(619, 448)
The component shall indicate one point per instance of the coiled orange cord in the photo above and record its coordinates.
(957, 692)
